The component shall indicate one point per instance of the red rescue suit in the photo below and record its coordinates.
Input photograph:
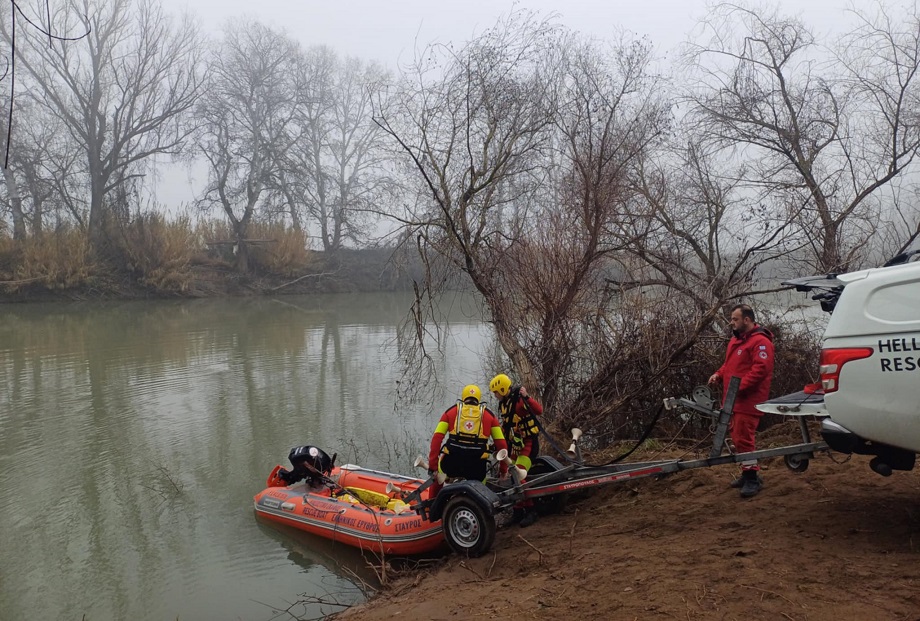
(519, 424)
(750, 357)
(468, 429)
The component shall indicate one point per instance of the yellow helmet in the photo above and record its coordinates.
(501, 385)
(471, 391)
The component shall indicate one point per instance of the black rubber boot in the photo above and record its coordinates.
(516, 516)
(737, 483)
(530, 516)
(752, 483)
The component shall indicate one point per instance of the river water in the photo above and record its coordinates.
(133, 436)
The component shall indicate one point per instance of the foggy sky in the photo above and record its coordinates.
(389, 31)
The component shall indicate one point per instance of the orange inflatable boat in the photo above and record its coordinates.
(358, 510)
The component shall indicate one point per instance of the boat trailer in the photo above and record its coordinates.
(468, 508)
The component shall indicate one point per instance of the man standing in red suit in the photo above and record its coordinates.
(750, 357)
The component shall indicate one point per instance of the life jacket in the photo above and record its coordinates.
(517, 428)
(468, 433)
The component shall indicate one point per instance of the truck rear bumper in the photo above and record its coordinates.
(887, 458)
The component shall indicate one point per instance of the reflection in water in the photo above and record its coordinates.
(306, 550)
(134, 435)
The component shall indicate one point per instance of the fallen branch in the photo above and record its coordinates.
(169, 477)
(233, 242)
(540, 552)
(299, 279)
(747, 586)
(471, 570)
(572, 531)
(362, 584)
(20, 282)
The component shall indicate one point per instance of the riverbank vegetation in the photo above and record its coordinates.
(151, 256)
(604, 211)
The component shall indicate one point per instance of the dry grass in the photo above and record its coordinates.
(151, 250)
(208, 230)
(281, 251)
(59, 260)
(160, 252)
(286, 255)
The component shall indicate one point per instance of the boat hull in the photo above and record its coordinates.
(359, 524)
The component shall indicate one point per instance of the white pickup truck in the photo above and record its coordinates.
(870, 365)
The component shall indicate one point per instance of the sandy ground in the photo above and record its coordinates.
(836, 542)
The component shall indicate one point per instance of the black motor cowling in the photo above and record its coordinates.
(309, 462)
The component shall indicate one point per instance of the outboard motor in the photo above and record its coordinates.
(310, 463)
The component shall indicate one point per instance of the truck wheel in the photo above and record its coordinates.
(467, 528)
(796, 463)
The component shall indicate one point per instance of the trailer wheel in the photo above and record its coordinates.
(467, 528)
(796, 463)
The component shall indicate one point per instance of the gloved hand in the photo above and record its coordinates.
(285, 476)
(431, 472)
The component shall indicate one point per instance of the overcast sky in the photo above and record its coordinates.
(389, 30)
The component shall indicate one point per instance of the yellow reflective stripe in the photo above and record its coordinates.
(497, 433)
(442, 427)
(523, 461)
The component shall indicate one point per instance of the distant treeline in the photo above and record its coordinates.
(153, 257)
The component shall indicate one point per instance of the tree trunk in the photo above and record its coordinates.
(520, 361)
(97, 218)
(39, 191)
(12, 189)
(242, 247)
(292, 207)
(38, 214)
(831, 261)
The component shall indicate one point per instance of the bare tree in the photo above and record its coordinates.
(533, 212)
(357, 163)
(824, 132)
(334, 169)
(13, 195)
(881, 58)
(702, 233)
(899, 228)
(43, 159)
(610, 112)
(473, 121)
(245, 120)
(301, 177)
(52, 174)
(120, 91)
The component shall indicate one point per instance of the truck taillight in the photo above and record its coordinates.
(832, 360)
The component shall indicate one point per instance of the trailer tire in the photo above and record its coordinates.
(796, 463)
(469, 530)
